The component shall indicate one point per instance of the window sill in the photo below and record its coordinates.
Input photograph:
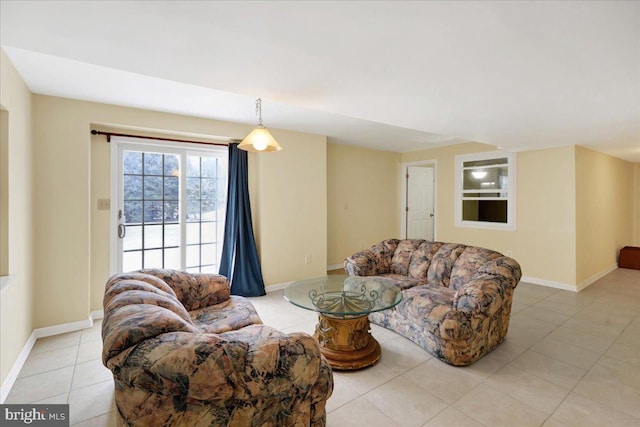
(486, 225)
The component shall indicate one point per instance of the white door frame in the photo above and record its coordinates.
(118, 144)
(403, 215)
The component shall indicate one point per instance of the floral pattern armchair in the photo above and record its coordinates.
(456, 298)
(184, 352)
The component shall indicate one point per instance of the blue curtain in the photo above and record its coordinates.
(240, 261)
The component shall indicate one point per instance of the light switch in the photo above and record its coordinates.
(104, 204)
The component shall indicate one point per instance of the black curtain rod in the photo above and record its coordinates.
(110, 134)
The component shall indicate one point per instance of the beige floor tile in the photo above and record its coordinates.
(631, 335)
(527, 388)
(615, 371)
(568, 307)
(578, 411)
(581, 339)
(89, 351)
(383, 334)
(57, 341)
(402, 355)
(567, 353)
(549, 369)
(44, 361)
(58, 399)
(620, 397)
(342, 393)
(105, 420)
(546, 315)
(359, 413)
(593, 328)
(41, 386)
(409, 405)
(93, 333)
(92, 401)
(89, 373)
(534, 291)
(605, 315)
(447, 382)
(517, 307)
(624, 352)
(497, 409)
(451, 417)
(508, 350)
(365, 380)
(551, 422)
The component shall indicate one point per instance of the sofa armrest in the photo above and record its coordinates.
(363, 263)
(485, 294)
(253, 363)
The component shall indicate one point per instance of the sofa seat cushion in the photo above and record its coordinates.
(235, 313)
(427, 305)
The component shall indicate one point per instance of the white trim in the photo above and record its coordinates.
(595, 277)
(12, 376)
(512, 160)
(5, 281)
(403, 216)
(566, 287)
(98, 314)
(335, 267)
(63, 328)
(277, 287)
(48, 331)
(548, 283)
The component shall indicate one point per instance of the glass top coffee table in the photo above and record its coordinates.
(343, 304)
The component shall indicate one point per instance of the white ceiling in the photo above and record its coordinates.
(397, 76)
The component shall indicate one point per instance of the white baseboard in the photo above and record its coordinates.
(335, 267)
(596, 277)
(48, 331)
(98, 314)
(17, 366)
(566, 287)
(277, 287)
(549, 283)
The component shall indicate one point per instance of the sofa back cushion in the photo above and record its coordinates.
(382, 253)
(402, 256)
(439, 272)
(421, 259)
(468, 263)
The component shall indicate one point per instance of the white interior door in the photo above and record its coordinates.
(419, 210)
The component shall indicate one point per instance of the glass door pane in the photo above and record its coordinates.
(151, 210)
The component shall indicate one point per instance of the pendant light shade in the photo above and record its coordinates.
(260, 139)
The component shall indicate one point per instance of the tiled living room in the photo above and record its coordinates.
(477, 146)
(570, 359)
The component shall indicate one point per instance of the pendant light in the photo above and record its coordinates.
(260, 139)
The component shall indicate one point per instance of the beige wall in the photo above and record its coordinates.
(72, 239)
(16, 312)
(544, 240)
(604, 211)
(363, 199)
(636, 210)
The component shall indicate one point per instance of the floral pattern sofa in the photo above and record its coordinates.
(456, 298)
(183, 352)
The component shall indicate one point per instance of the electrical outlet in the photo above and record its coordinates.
(104, 204)
(307, 258)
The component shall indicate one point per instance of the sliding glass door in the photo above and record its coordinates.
(171, 206)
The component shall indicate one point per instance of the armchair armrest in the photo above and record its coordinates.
(195, 290)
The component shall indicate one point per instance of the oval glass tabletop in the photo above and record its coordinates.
(340, 295)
